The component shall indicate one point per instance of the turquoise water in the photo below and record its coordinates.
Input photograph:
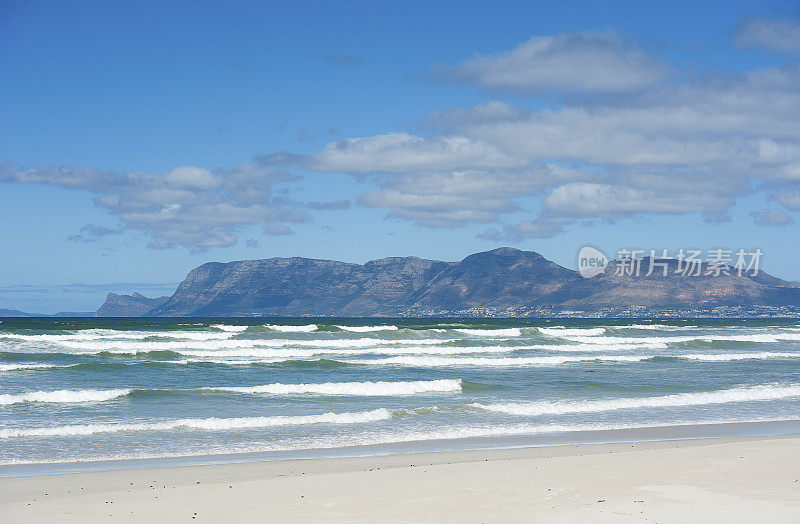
(78, 389)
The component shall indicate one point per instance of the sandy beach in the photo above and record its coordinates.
(742, 479)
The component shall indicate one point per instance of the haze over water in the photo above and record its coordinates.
(73, 390)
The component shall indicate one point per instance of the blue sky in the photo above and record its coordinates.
(139, 140)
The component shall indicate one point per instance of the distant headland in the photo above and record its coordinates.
(504, 282)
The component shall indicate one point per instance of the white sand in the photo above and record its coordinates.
(719, 480)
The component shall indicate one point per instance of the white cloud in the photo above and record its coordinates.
(596, 62)
(457, 198)
(329, 206)
(542, 228)
(661, 145)
(788, 200)
(401, 152)
(740, 122)
(771, 217)
(673, 149)
(768, 34)
(584, 200)
(187, 206)
(92, 232)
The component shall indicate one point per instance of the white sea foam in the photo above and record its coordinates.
(376, 350)
(390, 437)
(369, 389)
(508, 332)
(425, 358)
(195, 335)
(588, 348)
(146, 345)
(738, 394)
(113, 335)
(208, 424)
(654, 327)
(453, 433)
(725, 357)
(225, 327)
(270, 353)
(367, 329)
(509, 361)
(566, 332)
(273, 353)
(223, 362)
(293, 329)
(16, 367)
(64, 396)
(754, 337)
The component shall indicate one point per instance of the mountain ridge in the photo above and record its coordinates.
(504, 281)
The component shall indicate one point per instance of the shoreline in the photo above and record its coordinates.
(640, 434)
(731, 478)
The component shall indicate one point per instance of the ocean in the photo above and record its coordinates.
(78, 390)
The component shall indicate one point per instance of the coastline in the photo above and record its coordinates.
(421, 422)
(725, 478)
(635, 434)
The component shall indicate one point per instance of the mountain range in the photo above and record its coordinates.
(502, 282)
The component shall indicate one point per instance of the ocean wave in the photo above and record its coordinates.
(225, 327)
(223, 362)
(508, 332)
(21, 367)
(64, 396)
(270, 353)
(655, 327)
(587, 348)
(566, 332)
(110, 335)
(320, 363)
(507, 362)
(725, 357)
(273, 353)
(309, 328)
(738, 394)
(423, 360)
(208, 424)
(756, 338)
(394, 437)
(410, 350)
(368, 389)
(132, 347)
(367, 329)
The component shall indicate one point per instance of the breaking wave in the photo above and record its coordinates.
(655, 327)
(208, 424)
(367, 329)
(725, 357)
(20, 367)
(132, 347)
(508, 361)
(64, 396)
(738, 394)
(566, 332)
(309, 328)
(433, 361)
(111, 335)
(509, 332)
(369, 389)
(757, 338)
(224, 327)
